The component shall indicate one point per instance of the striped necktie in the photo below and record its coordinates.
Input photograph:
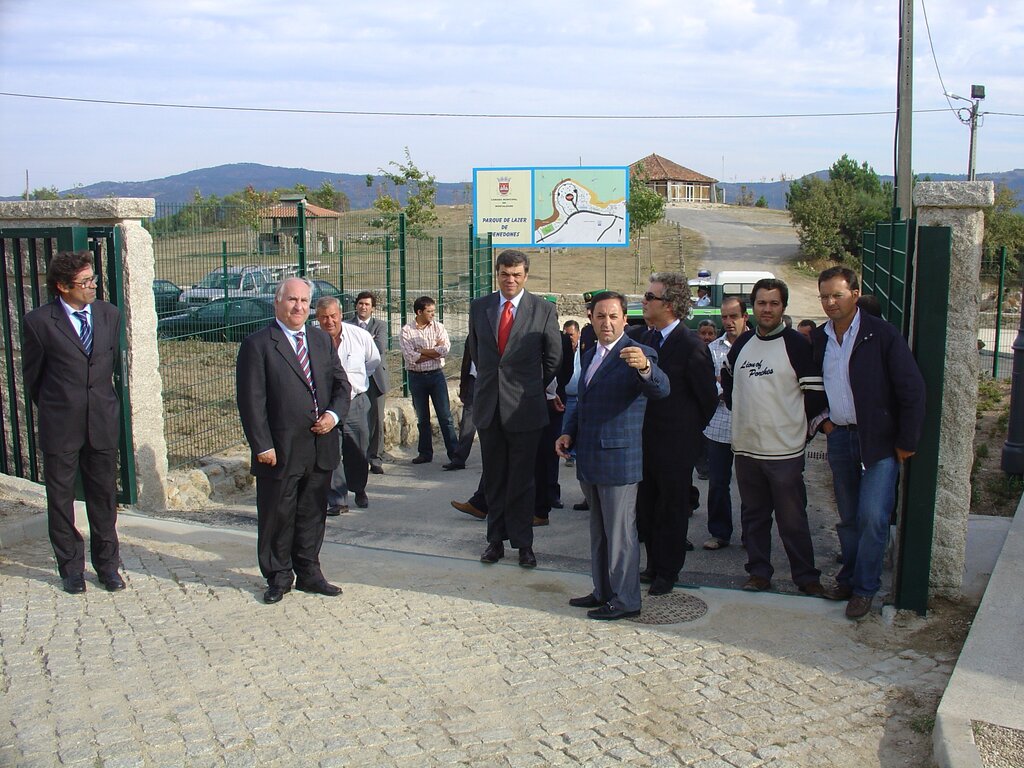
(85, 331)
(303, 355)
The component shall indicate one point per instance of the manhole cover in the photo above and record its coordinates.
(673, 608)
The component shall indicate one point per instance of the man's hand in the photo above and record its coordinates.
(556, 404)
(267, 457)
(902, 455)
(324, 424)
(634, 358)
(428, 354)
(562, 446)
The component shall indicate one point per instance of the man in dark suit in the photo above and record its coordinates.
(68, 353)
(516, 346)
(292, 392)
(672, 429)
(619, 375)
(366, 303)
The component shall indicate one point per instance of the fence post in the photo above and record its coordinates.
(402, 297)
(472, 265)
(440, 279)
(999, 313)
(1012, 459)
(300, 211)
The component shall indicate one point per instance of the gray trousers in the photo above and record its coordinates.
(467, 433)
(375, 416)
(353, 469)
(614, 546)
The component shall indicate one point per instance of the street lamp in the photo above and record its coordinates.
(977, 94)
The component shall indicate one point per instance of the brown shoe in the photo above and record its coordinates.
(838, 592)
(858, 607)
(757, 584)
(540, 521)
(469, 509)
(813, 588)
(715, 544)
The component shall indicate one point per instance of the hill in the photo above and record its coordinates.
(222, 180)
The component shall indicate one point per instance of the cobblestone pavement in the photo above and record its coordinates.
(430, 661)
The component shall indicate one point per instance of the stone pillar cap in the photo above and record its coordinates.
(954, 194)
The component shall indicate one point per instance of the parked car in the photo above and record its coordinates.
(220, 320)
(228, 283)
(724, 285)
(326, 288)
(165, 297)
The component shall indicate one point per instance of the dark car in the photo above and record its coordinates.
(324, 288)
(165, 296)
(220, 320)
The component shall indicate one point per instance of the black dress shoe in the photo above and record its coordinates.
(73, 585)
(361, 500)
(273, 594)
(377, 469)
(587, 601)
(322, 587)
(526, 557)
(112, 581)
(660, 587)
(557, 504)
(647, 576)
(689, 546)
(337, 509)
(422, 460)
(581, 506)
(453, 465)
(608, 612)
(494, 552)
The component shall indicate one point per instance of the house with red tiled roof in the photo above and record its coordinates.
(674, 182)
(322, 227)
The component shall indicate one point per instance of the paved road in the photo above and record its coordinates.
(751, 238)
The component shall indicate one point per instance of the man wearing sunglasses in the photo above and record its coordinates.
(672, 429)
(68, 353)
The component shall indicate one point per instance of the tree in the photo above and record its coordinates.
(44, 193)
(247, 207)
(762, 202)
(420, 208)
(831, 216)
(1004, 227)
(645, 207)
(328, 196)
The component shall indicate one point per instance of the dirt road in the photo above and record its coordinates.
(751, 238)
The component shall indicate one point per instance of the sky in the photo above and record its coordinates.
(713, 86)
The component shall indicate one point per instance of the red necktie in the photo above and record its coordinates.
(504, 327)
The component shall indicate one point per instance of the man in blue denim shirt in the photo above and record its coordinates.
(876, 411)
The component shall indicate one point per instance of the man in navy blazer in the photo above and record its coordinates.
(619, 375)
(68, 353)
(516, 345)
(292, 393)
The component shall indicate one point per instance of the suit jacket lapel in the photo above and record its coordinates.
(65, 326)
(605, 366)
(523, 317)
(491, 306)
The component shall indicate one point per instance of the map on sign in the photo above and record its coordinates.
(580, 206)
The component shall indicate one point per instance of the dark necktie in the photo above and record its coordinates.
(656, 340)
(303, 355)
(504, 327)
(85, 332)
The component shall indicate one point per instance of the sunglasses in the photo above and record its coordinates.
(651, 297)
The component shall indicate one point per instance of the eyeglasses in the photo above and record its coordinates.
(651, 297)
(87, 283)
(833, 296)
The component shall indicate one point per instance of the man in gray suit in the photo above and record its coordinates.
(619, 376)
(516, 346)
(366, 303)
(68, 353)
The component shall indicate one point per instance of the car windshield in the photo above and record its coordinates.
(230, 281)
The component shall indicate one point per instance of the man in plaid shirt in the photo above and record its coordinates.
(719, 431)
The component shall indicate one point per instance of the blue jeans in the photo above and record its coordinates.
(425, 388)
(719, 497)
(865, 497)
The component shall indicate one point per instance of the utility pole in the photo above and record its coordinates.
(977, 94)
(905, 111)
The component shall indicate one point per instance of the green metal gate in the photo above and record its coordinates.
(25, 255)
(911, 300)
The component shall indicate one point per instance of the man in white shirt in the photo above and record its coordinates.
(360, 358)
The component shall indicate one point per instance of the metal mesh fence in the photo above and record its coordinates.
(999, 316)
(216, 270)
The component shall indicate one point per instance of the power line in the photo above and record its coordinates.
(935, 60)
(472, 115)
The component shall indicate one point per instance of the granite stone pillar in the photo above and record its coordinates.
(959, 205)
